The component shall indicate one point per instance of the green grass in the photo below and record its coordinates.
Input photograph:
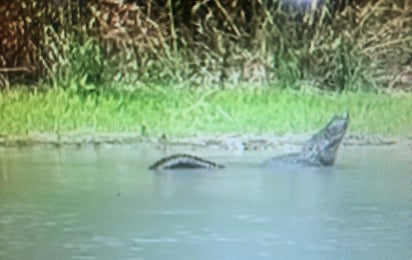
(182, 112)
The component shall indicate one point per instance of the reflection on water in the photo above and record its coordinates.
(105, 204)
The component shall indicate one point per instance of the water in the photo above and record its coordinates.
(105, 204)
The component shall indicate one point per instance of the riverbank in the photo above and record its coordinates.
(153, 113)
(223, 142)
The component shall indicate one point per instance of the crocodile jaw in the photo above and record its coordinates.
(322, 148)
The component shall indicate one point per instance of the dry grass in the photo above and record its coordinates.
(83, 45)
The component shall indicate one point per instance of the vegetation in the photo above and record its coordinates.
(84, 45)
(152, 111)
(196, 67)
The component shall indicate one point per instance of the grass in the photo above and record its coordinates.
(365, 47)
(170, 111)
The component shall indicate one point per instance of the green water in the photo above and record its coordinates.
(104, 204)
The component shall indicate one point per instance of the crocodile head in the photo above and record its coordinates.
(322, 147)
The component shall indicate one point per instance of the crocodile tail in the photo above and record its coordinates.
(184, 161)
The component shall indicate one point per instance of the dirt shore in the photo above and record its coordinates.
(225, 142)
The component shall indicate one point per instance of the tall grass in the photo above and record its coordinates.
(84, 45)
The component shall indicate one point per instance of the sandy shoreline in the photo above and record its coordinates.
(225, 142)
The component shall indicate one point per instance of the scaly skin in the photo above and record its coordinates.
(321, 149)
(184, 161)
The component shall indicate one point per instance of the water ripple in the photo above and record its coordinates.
(142, 240)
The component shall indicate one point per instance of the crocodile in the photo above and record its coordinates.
(320, 150)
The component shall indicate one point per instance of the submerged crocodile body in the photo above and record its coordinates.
(320, 150)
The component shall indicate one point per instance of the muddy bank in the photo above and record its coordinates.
(225, 142)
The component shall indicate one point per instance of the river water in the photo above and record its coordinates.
(67, 203)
